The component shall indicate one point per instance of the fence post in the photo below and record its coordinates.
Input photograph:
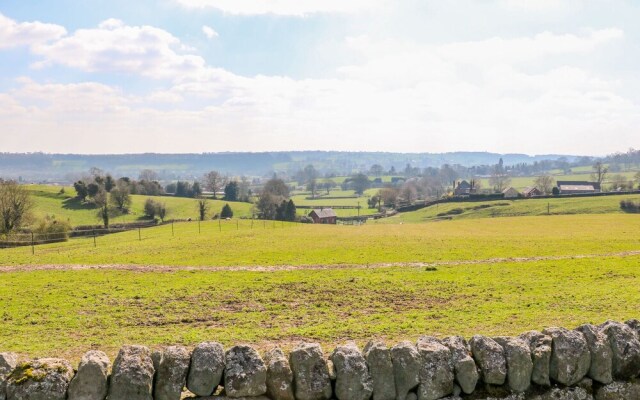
(219, 224)
(94, 238)
(139, 236)
(237, 224)
(199, 227)
(172, 228)
(33, 247)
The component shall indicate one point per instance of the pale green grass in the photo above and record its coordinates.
(269, 243)
(65, 313)
(513, 208)
(49, 202)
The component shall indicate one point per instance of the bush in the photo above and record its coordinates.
(226, 212)
(150, 208)
(52, 229)
(630, 206)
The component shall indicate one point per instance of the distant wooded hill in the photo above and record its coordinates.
(42, 166)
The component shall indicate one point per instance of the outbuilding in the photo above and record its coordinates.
(323, 216)
(510, 193)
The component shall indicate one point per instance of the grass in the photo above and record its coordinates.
(64, 313)
(475, 283)
(281, 244)
(300, 199)
(584, 174)
(514, 208)
(49, 202)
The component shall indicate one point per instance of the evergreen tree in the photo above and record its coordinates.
(226, 212)
(290, 211)
(231, 191)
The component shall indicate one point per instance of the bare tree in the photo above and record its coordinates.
(203, 208)
(214, 182)
(499, 179)
(409, 191)
(544, 183)
(312, 186)
(636, 177)
(161, 210)
(15, 207)
(599, 172)
(148, 175)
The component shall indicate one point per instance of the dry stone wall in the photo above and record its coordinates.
(586, 363)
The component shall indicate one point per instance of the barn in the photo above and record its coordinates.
(323, 216)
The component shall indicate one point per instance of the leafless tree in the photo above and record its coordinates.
(214, 182)
(148, 175)
(15, 207)
(499, 179)
(544, 183)
(599, 172)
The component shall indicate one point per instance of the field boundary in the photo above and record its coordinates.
(276, 268)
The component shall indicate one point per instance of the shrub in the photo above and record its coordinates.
(226, 212)
(52, 229)
(630, 206)
(150, 208)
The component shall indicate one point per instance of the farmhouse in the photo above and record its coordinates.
(578, 187)
(463, 188)
(531, 192)
(323, 216)
(510, 193)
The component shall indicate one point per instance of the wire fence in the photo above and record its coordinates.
(88, 238)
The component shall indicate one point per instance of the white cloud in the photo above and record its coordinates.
(285, 7)
(209, 32)
(13, 34)
(116, 47)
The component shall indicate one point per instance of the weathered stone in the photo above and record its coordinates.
(353, 380)
(8, 362)
(519, 364)
(42, 379)
(566, 393)
(206, 368)
(489, 356)
(378, 358)
(245, 373)
(279, 376)
(436, 370)
(626, 349)
(619, 391)
(601, 353)
(634, 324)
(132, 374)
(310, 372)
(464, 367)
(171, 376)
(570, 357)
(332, 371)
(412, 396)
(91, 380)
(406, 367)
(540, 346)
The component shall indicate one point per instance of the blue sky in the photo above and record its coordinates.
(543, 76)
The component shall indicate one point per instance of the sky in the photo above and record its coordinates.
(182, 76)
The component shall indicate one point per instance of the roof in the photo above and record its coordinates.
(325, 213)
(586, 188)
(595, 185)
(531, 190)
(509, 189)
(464, 185)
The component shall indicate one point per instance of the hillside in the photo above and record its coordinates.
(513, 208)
(63, 206)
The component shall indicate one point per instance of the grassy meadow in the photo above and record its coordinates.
(265, 282)
(63, 206)
(515, 208)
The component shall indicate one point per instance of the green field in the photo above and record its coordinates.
(521, 182)
(266, 282)
(514, 208)
(49, 202)
(301, 199)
